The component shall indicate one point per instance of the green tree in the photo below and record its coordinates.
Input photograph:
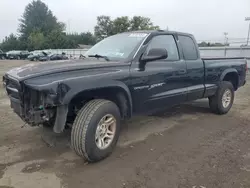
(121, 24)
(202, 44)
(11, 43)
(142, 23)
(87, 38)
(37, 16)
(36, 40)
(208, 44)
(57, 39)
(82, 38)
(104, 27)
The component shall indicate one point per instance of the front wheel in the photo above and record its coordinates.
(96, 130)
(222, 101)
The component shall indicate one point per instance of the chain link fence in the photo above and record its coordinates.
(225, 51)
(68, 52)
(205, 52)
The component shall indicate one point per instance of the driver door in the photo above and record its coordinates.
(159, 83)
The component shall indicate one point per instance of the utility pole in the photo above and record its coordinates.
(69, 26)
(226, 38)
(225, 43)
(248, 19)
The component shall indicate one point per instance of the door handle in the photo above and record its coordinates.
(182, 71)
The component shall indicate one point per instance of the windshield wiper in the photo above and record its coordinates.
(99, 56)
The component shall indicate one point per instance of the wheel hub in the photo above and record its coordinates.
(226, 98)
(105, 131)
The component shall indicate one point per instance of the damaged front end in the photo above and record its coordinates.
(36, 107)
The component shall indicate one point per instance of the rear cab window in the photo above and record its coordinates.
(188, 47)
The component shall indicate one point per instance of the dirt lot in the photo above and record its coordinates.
(186, 146)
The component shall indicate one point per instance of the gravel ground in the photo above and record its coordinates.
(183, 147)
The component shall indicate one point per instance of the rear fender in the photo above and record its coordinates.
(234, 80)
(225, 72)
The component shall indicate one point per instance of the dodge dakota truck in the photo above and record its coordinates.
(121, 76)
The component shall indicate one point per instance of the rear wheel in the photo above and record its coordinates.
(222, 101)
(96, 130)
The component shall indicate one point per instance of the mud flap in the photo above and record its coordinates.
(61, 116)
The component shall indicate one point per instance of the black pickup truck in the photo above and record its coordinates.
(2, 55)
(123, 75)
(17, 54)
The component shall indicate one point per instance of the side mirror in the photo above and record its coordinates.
(155, 54)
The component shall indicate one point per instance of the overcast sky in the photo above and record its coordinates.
(206, 19)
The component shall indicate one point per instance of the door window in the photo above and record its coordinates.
(167, 42)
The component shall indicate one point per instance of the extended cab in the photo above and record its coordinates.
(123, 75)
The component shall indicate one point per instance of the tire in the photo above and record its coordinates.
(216, 102)
(35, 59)
(84, 131)
(18, 57)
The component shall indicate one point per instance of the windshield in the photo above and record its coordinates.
(118, 46)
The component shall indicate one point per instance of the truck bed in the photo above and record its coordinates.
(218, 65)
(228, 58)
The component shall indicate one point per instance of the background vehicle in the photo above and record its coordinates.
(34, 56)
(45, 58)
(11, 54)
(2, 55)
(53, 57)
(17, 54)
(123, 75)
(58, 57)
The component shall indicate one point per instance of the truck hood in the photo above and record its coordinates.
(50, 67)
